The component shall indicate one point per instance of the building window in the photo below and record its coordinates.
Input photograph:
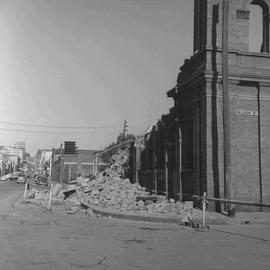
(259, 27)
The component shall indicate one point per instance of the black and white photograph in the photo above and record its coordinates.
(134, 134)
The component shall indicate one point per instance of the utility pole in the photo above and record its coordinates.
(125, 129)
(226, 108)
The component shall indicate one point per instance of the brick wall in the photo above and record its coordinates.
(208, 20)
(245, 142)
(265, 140)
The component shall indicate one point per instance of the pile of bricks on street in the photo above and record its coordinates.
(110, 190)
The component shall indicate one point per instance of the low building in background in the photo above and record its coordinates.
(68, 163)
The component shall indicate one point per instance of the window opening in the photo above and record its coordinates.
(259, 27)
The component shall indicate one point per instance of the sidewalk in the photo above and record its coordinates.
(212, 218)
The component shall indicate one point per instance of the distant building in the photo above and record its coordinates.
(2, 164)
(10, 158)
(31, 165)
(69, 162)
(13, 151)
(43, 161)
(20, 145)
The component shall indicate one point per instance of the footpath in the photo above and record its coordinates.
(212, 218)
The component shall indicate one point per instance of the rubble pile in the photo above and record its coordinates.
(38, 194)
(109, 189)
(114, 191)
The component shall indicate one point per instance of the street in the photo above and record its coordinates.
(33, 238)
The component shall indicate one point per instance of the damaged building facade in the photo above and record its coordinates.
(184, 151)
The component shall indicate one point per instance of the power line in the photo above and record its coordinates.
(44, 132)
(54, 126)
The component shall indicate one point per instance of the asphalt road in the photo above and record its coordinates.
(33, 238)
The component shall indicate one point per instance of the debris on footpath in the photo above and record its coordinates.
(110, 190)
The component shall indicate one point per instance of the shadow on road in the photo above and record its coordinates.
(242, 235)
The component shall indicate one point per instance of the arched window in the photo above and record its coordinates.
(259, 27)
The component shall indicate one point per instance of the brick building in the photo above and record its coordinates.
(192, 133)
(67, 165)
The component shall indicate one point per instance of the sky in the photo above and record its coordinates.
(88, 63)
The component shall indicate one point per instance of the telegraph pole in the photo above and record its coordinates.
(226, 109)
(125, 129)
